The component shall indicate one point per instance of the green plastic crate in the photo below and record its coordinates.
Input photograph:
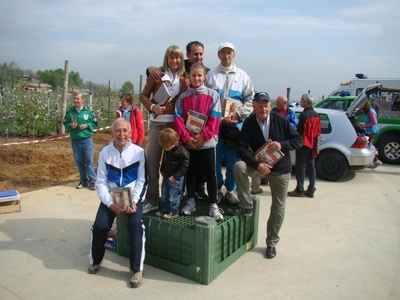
(196, 247)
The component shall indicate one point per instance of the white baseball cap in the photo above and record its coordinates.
(226, 45)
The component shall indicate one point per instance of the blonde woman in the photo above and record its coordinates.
(161, 116)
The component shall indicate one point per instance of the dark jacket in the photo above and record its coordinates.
(175, 162)
(188, 65)
(309, 127)
(280, 130)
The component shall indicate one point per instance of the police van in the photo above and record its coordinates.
(355, 86)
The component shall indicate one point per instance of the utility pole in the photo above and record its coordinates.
(288, 93)
(140, 91)
(64, 97)
(90, 95)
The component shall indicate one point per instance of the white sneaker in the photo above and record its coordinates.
(215, 212)
(188, 209)
(148, 207)
(231, 197)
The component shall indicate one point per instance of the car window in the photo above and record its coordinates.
(334, 104)
(325, 124)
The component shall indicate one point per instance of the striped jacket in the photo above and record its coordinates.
(121, 169)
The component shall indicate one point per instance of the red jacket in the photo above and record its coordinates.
(137, 124)
(309, 127)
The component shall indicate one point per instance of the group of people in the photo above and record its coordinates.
(190, 135)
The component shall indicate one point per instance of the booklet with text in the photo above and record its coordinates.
(123, 197)
(195, 122)
(266, 155)
(231, 106)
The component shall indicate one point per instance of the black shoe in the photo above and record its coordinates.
(201, 194)
(271, 252)
(82, 185)
(295, 193)
(237, 210)
(309, 194)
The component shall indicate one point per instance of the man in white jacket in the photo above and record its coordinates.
(231, 83)
(121, 164)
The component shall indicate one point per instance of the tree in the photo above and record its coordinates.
(10, 74)
(127, 87)
(74, 79)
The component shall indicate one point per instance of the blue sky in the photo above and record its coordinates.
(305, 45)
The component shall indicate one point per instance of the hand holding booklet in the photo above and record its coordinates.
(195, 122)
(231, 106)
(123, 197)
(265, 155)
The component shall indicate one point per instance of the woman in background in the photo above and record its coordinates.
(371, 126)
(133, 115)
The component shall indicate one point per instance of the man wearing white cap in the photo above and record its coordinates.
(231, 83)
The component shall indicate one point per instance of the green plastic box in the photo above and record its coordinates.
(196, 247)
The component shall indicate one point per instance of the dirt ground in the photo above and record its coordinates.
(40, 165)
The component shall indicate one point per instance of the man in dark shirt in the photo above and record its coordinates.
(257, 130)
(309, 128)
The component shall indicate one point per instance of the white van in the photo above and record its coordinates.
(356, 85)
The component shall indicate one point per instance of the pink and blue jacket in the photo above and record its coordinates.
(205, 101)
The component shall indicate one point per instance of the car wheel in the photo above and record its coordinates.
(331, 165)
(389, 149)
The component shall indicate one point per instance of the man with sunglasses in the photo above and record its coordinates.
(259, 129)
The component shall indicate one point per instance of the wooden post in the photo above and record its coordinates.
(64, 97)
(288, 93)
(109, 102)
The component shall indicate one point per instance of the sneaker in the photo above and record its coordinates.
(231, 197)
(376, 164)
(201, 194)
(188, 209)
(148, 207)
(236, 211)
(94, 269)
(257, 190)
(92, 186)
(220, 197)
(295, 193)
(82, 185)
(160, 213)
(136, 280)
(170, 216)
(216, 213)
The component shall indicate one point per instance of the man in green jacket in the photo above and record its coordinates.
(81, 122)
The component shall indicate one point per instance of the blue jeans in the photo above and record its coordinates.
(230, 159)
(83, 157)
(171, 193)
